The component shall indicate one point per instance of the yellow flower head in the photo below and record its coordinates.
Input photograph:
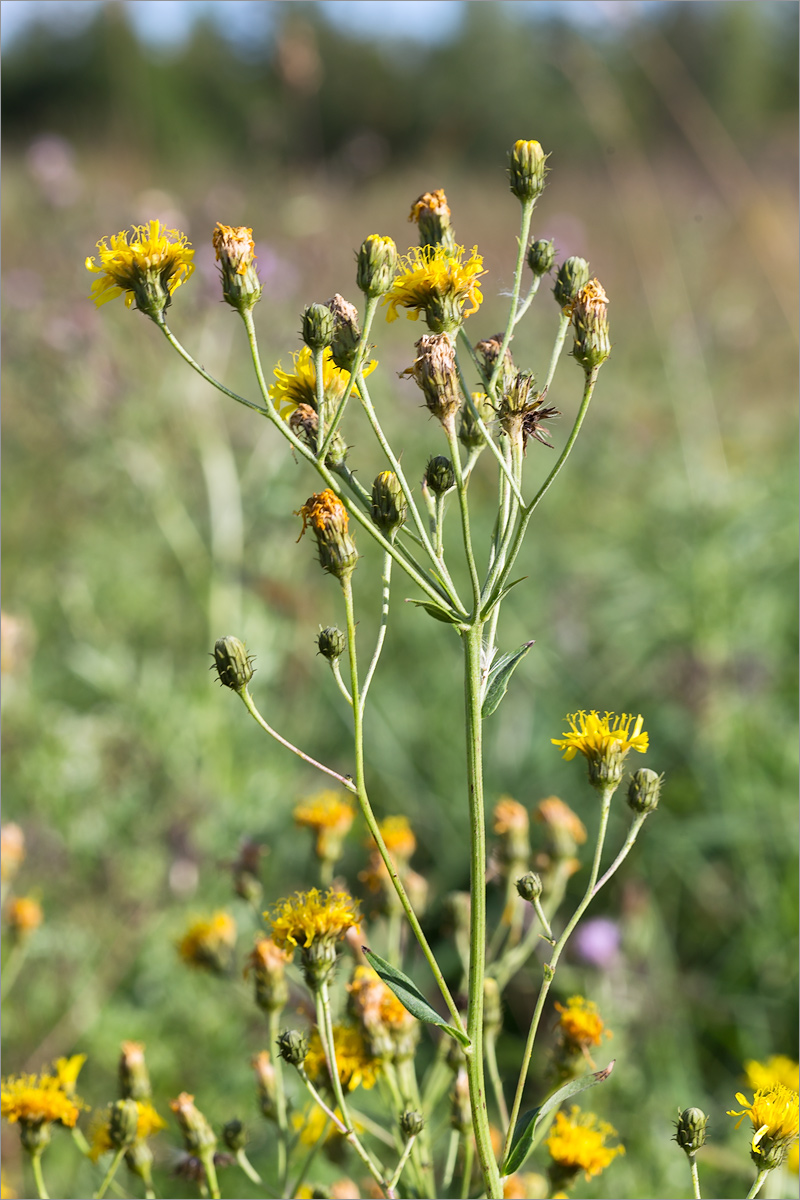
(354, 1062)
(310, 1126)
(24, 915)
(35, 1099)
(435, 280)
(580, 1024)
(775, 1117)
(209, 943)
(399, 837)
(148, 269)
(779, 1068)
(330, 816)
(603, 741)
(148, 1122)
(306, 917)
(578, 1143)
(67, 1071)
(299, 386)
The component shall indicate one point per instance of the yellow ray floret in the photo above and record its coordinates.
(148, 1122)
(775, 1116)
(779, 1068)
(593, 735)
(580, 1023)
(36, 1099)
(578, 1142)
(152, 251)
(305, 917)
(431, 273)
(356, 1066)
(293, 388)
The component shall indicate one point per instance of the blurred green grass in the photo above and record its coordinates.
(145, 516)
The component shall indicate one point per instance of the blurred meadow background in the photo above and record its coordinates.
(146, 515)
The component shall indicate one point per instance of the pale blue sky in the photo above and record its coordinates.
(167, 23)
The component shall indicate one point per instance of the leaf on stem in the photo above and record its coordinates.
(497, 595)
(525, 1129)
(499, 675)
(436, 610)
(410, 996)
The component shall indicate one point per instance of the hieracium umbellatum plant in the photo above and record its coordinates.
(441, 1113)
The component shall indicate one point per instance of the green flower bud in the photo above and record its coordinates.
(328, 519)
(234, 665)
(377, 263)
(643, 793)
(541, 255)
(469, 433)
(529, 886)
(34, 1136)
(389, 506)
(690, 1129)
(134, 1079)
(591, 347)
(346, 332)
(139, 1161)
(439, 475)
(527, 170)
(331, 643)
(234, 1135)
(236, 256)
(572, 275)
(293, 1047)
(317, 330)
(412, 1123)
(198, 1136)
(123, 1119)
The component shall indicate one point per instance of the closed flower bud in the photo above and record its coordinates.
(439, 475)
(234, 1135)
(690, 1129)
(267, 963)
(529, 886)
(644, 790)
(266, 1082)
(377, 263)
(293, 1047)
(139, 1161)
(432, 214)
(527, 170)
(435, 373)
(591, 347)
(328, 519)
(461, 1111)
(317, 329)
(346, 332)
(304, 423)
(236, 256)
(198, 1136)
(573, 274)
(469, 432)
(541, 255)
(331, 643)
(412, 1124)
(389, 506)
(489, 350)
(34, 1136)
(123, 1119)
(234, 665)
(134, 1079)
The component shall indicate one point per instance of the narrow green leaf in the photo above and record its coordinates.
(499, 675)
(410, 996)
(498, 595)
(525, 1128)
(436, 610)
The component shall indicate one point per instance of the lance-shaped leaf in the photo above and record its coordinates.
(525, 1128)
(497, 595)
(437, 611)
(499, 675)
(410, 996)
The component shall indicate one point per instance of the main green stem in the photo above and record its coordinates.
(472, 638)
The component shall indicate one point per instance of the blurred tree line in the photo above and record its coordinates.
(299, 89)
